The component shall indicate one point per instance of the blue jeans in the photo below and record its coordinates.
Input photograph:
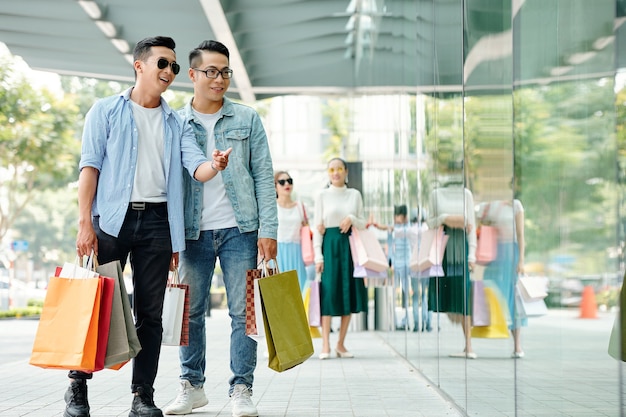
(420, 292)
(237, 253)
(145, 235)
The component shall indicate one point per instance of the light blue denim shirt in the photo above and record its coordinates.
(110, 146)
(248, 178)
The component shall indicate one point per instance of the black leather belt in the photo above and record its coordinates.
(141, 206)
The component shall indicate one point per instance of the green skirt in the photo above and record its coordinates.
(340, 293)
(451, 293)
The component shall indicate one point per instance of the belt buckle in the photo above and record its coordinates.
(138, 205)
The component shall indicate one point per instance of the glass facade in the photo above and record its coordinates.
(521, 131)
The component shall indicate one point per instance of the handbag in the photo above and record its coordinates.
(123, 343)
(617, 340)
(430, 250)
(487, 242)
(498, 321)
(480, 307)
(175, 315)
(67, 334)
(306, 239)
(287, 331)
(368, 250)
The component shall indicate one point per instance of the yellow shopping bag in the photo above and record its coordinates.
(498, 328)
(315, 332)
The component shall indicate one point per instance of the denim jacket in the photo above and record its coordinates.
(248, 178)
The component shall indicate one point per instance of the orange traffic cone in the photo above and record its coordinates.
(588, 305)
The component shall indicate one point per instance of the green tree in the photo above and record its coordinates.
(38, 148)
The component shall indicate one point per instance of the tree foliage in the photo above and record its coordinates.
(38, 147)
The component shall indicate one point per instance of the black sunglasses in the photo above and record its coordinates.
(162, 63)
(288, 180)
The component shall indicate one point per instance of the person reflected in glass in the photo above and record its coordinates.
(508, 218)
(337, 209)
(400, 240)
(452, 206)
(291, 217)
(419, 284)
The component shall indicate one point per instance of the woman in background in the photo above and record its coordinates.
(337, 209)
(291, 218)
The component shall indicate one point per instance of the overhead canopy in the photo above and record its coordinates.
(315, 46)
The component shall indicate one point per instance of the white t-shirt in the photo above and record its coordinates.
(149, 182)
(289, 223)
(217, 211)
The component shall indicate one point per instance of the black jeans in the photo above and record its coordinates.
(145, 235)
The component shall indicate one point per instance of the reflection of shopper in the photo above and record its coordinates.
(508, 218)
(337, 209)
(291, 218)
(400, 239)
(453, 207)
(419, 285)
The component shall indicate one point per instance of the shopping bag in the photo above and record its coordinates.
(67, 334)
(617, 340)
(123, 343)
(480, 307)
(175, 317)
(286, 328)
(306, 243)
(498, 322)
(528, 307)
(314, 313)
(368, 250)
(255, 328)
(532, 288)
(486, 245)
(361, 271)
(313, 330)
(73, 270)
(430, 250)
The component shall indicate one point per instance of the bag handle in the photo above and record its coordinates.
(304, 216)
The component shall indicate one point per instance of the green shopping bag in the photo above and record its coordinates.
(286, 326)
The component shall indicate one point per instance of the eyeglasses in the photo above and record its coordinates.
(214, 72)
(288, 181)
(162, 63)
(338, 170)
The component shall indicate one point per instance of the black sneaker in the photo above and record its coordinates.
(143, 404)
(76, 404)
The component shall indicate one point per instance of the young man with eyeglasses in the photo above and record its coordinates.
(233, 218)
(130, 191)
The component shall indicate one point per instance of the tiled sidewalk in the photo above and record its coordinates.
(375, 383)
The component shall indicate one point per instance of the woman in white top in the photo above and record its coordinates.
(291, 218)
(508, 218)
(337, 209)
(453, 207)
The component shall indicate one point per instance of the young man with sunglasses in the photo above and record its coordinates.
(134, 149)
(233, 218)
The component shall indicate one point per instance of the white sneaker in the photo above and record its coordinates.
(189, 398)
(242, 403)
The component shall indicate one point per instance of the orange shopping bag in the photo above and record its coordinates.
(67, 335)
